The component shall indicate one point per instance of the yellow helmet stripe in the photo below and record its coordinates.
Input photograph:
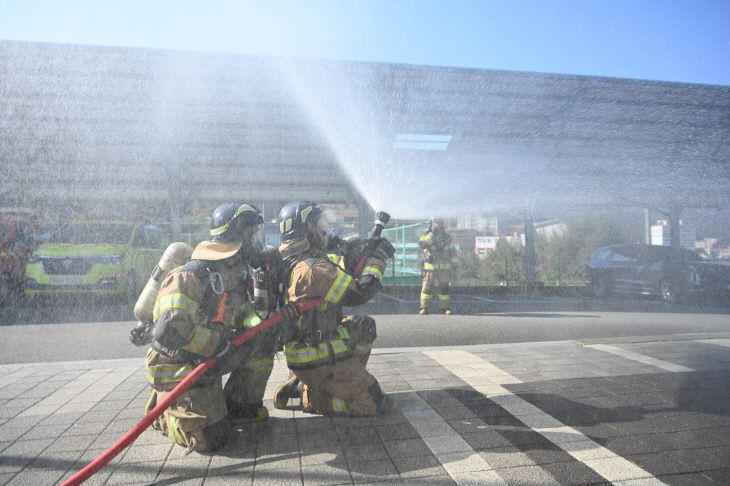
(241, 209)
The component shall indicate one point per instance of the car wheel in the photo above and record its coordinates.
(667, 291)
(601, 287)
(130, 289)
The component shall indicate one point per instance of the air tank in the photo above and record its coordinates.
(175, 254)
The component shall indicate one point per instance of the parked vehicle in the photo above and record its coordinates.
(672, 274)
(98, 258)
(18, 239)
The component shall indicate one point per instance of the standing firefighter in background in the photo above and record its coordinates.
(328, 352)
(200, 307)
(439, 255)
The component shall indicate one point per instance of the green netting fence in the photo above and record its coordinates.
(405, 269)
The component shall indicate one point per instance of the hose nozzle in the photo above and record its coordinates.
(381, 219)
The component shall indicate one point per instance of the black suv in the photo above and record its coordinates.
(673, 274)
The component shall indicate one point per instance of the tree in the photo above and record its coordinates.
(562, 258)
(503, 265)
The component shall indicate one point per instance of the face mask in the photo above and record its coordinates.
(253, 241)
(321, 233)
(258, 238)
(333, 240)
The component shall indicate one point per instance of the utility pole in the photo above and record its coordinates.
(529, 250)
(363, 217)
(173, 185)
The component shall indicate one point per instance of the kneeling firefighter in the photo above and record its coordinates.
(200, 307)
(328, 352)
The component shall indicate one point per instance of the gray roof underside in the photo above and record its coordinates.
(100, 123)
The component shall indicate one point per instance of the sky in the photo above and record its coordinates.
(662, 40)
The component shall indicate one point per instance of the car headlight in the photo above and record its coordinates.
(34, 259)
(112, 259)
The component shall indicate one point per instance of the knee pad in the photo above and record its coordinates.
(367, 325)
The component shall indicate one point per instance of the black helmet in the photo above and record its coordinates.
(229, 220)
(295, 219)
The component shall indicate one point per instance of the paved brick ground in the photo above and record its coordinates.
(631, 413)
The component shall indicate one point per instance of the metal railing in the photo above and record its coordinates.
(406, 266)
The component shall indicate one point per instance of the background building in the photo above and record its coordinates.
(660, 234)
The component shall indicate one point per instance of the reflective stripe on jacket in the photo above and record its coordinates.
(431, 267)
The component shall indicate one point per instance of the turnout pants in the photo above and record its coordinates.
(345, 387)
(247, 382)
(198, 419)
(441, 280)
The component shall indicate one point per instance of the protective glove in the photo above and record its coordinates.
(288, 330)
(139, 336)
(227, 357)
(383, 249)
(291, 313)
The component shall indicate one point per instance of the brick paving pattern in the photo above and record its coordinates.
(553, 413)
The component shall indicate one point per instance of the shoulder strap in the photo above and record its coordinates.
(203, 273)
(197, 267)
(312, 261)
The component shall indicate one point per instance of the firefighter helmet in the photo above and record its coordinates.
(296, 218)
(437, 223)
(231, 225)
(229, 221)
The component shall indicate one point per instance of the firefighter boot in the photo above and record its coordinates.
(291, 388)
(423, 311)
(382, 401)
(446, 311)
(248, 412)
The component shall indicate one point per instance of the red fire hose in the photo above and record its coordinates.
(181, 387)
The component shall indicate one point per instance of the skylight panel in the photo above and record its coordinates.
(420, 141)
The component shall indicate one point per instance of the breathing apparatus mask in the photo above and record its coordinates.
(253, 242)
(321, 233)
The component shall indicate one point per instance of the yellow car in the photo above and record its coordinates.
(95, 257)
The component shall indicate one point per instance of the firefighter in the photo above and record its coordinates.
(200, 307)
(439, 254)
(328, 352)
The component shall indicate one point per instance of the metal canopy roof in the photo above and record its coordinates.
(108, 125)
